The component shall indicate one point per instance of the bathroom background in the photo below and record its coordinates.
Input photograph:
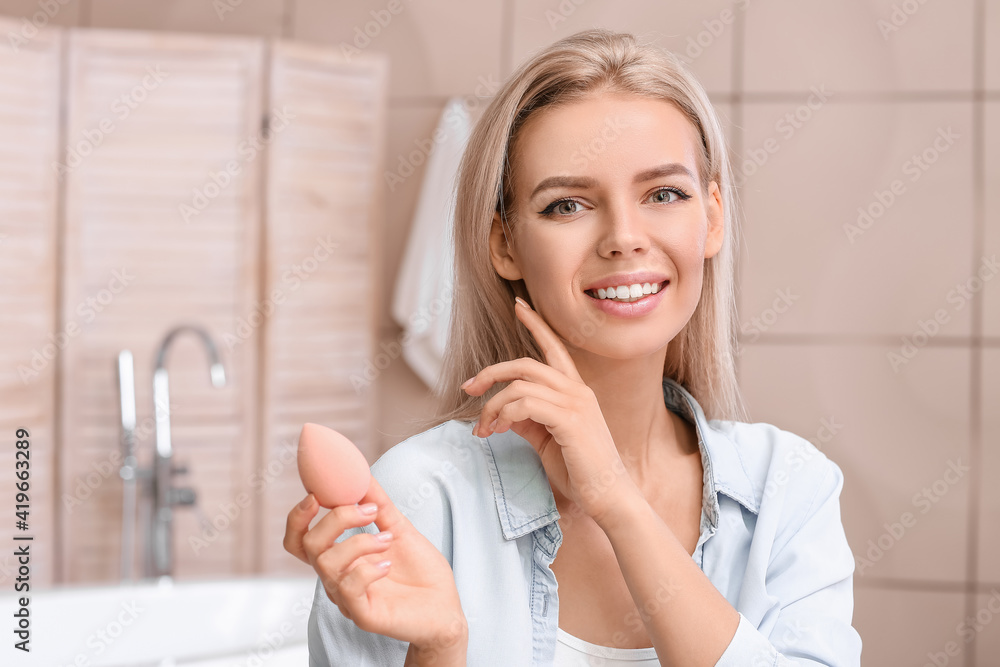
(276, 172)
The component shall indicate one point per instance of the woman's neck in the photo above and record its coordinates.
(630, 394)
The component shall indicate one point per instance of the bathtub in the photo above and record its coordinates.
(258, 622)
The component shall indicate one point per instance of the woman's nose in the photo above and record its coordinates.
(623, 231)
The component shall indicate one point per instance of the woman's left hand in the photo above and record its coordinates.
(551, 407)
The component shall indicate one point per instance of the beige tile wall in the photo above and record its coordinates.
(824, 360)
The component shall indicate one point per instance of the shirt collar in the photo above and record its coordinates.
(524, 499)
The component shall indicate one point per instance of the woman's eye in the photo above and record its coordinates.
(561, 207)
(662, 195)
(567, 207)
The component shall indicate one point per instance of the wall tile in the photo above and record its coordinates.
(441, 48)
(893, 435)
(991, 245)
(403, 397)
(844, 271)
(984, 625)
(702, 32)
(992, 44)
(242, 17)
(791, 45)
(900, 627)
(989, 507)
(64, 13)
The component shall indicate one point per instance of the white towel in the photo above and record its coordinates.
(423, 295)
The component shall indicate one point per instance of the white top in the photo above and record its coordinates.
(574, 652)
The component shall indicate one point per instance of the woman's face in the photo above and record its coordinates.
(604, 186)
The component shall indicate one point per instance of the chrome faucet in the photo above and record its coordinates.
(129, 471)
(164, 494)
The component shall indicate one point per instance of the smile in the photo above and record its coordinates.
(627, 293)
(632, 306)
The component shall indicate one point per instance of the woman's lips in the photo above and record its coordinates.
(636, 308)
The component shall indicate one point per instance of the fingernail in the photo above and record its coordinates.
(494, 424)
(522, 302)
(468, 382)
(474, 427)
(368, 508)
(384, 536)
(305, 504)
(384, 564)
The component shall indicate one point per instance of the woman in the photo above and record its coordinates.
(609, 505)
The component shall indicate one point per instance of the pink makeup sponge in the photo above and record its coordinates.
(331, 467)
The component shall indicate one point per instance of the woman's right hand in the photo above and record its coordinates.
(413, 599)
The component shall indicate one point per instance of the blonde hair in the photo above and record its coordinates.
(484, 329)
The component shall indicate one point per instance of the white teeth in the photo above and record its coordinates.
(628, 292)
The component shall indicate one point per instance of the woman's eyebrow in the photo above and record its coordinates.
(668, 169)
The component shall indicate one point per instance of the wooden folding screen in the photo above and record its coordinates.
(31, 340)
(223, 182)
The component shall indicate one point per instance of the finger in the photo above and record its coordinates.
(516, 390)
(354, 588)
(297, 524)
(344, 592)
(556, 354)
(327, 530)
(529, 407)
(524, 368)
(388, 516)
(342, 557)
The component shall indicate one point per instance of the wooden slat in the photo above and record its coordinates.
(321, 184)
(190, 103)
(29, 123)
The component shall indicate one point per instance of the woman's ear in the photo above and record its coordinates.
(501, 253)
(716, 221)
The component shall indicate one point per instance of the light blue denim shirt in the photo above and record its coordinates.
(771, 542)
